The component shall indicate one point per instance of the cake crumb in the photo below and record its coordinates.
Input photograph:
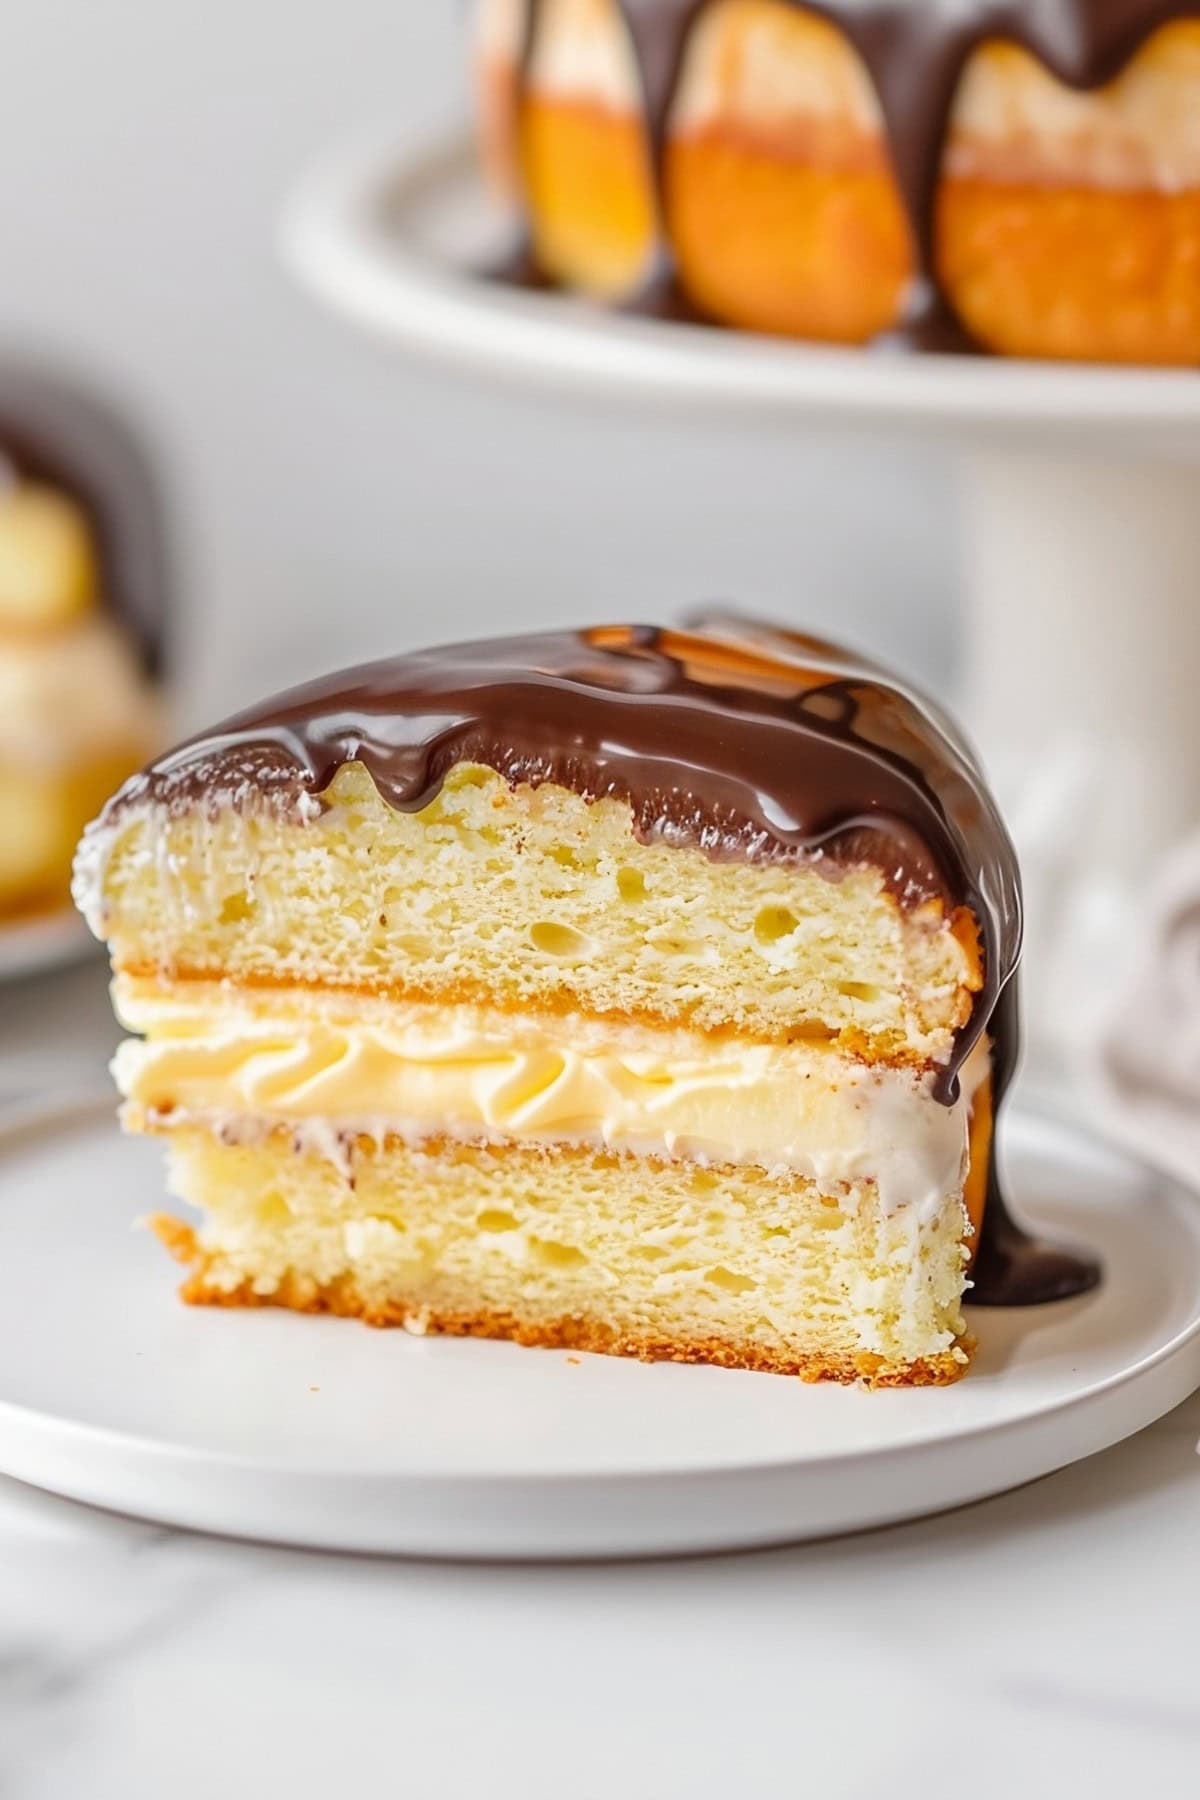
(577, 1360)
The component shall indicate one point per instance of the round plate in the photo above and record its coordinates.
(392, 238)
(37, 945)
(318, 1431)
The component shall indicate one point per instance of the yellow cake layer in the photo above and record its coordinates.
(349, 1064)
(580, 1249)
(524, 898)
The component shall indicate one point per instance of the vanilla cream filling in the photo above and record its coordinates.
(420, 1072)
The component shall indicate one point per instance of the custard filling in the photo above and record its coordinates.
(419, 1071)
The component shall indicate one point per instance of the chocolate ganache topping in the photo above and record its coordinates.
(53, 431)
(744, 740)
(914, 52)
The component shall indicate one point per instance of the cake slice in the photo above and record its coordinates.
(619, 989)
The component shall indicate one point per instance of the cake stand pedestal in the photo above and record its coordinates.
(1079, 489)
(1081, 684)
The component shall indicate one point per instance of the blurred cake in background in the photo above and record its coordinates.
(1023, 178)
(82, 586)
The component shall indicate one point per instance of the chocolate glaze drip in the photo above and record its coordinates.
(55, 432)
(914, 52)
(1013, 1268)
(744, 740)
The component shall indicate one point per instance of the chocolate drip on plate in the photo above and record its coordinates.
(914, 52)
(1012, 1266)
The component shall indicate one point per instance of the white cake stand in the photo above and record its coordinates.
(1081, 502)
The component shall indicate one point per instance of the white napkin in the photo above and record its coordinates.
(1146, 1062)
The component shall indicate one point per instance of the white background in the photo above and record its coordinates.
(333, 501)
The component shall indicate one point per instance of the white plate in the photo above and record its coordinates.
(390, 237)
(322, 1432)
(38, 945)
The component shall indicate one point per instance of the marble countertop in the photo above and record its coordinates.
(1041, 1641)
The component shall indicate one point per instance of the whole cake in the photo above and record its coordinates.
(621, 989)
(1021, 176)
(81, 586)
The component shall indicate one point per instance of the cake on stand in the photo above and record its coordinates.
(1080, 509)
